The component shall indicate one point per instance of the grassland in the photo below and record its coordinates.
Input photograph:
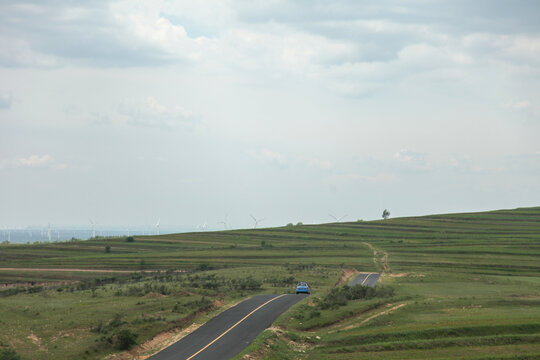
(464, 286)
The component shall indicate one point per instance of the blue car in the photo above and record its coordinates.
(302, 288)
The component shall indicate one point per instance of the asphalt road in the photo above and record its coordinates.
(366, 279)
(231, 331)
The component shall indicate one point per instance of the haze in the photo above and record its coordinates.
(126, 112)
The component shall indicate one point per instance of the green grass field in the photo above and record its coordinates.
(464, 286)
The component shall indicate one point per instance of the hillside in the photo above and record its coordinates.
(464, 285)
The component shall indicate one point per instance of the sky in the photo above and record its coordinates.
(126, 112)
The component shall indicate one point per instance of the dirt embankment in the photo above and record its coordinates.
(346, 276)
(299, 347)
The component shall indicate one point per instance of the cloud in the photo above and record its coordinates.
(381, 178)
(316, 163)
(518, 105)
(120, 34)
(33, 161)
(269, 157)
(412, 160)
(144, 111)
(351, 49)
(524, 107)
(151, 113)
(5, 99)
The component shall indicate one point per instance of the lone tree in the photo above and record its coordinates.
(385, 214)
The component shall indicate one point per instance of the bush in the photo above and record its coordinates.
(340, 296)
(9, 354)
(248, 283)
(108, 249)
(126, 339)
(130, 239)
(203, 267)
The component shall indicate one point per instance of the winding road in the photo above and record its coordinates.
(231, 331)
(366, 279)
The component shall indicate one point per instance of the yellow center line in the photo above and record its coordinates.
(232, 327)
(365, 279)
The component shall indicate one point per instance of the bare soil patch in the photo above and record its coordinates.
(346, 275)
(153, 295)
(37, 341)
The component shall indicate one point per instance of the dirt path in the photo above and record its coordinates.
(390, 308)
(393, 308)
(380, 258)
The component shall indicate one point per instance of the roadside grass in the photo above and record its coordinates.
(464, 286)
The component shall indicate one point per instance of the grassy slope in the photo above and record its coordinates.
(469, 284)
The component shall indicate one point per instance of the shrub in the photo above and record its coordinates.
(130, 239)
(108, 249)
(126, 339)
(341, 295)
(203, 267)
(9, 354)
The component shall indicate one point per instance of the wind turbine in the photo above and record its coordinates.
(335, 218)
(49, 232)
(93, 228)
(201, 227)
(257, 221)
(224, 222)
(157, 226)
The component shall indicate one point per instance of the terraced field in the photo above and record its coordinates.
(462, 286)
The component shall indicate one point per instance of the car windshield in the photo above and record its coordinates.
(302, 284)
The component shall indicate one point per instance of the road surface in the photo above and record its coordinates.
(366, 279)
(230, 332)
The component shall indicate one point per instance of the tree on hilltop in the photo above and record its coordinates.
(385, 214)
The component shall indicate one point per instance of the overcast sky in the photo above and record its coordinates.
(129, 111)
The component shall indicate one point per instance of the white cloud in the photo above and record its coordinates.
(517, 48)
(151, 113)
(33, 161)
(144, 25)
(380, 178)
(6, 98)
(319, 164)
(517, 104)
(412, 160)
(268, 157)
